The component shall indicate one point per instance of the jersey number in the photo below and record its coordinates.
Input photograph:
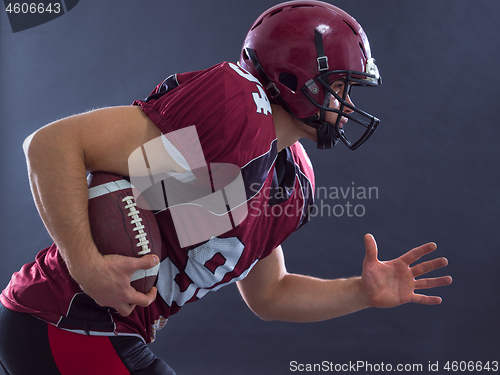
(207, 266)
(260, 98)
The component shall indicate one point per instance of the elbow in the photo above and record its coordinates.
(48, 143)
(264, 311)
(27, 144)
(33, 147)
(38, 141)
(266, 318)
(37, 146)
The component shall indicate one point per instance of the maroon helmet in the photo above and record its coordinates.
(297, 49)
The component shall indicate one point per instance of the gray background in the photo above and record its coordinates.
(434, 161)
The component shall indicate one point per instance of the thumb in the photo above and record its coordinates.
(371, 248)
(146, 262)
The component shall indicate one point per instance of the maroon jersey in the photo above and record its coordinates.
(232, 117)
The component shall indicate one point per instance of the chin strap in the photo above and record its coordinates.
(326, 133)
(326, 137)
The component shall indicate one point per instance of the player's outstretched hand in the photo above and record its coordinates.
(393, 283)
(107, 281)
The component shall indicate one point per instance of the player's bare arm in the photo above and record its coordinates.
(58, 157)
(274, 294)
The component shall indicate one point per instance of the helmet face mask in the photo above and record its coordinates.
(297, 65)
(352, 135)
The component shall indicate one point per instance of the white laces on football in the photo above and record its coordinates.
(137, 221)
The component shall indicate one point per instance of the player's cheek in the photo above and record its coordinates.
(331, 117)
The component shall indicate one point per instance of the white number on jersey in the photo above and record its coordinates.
(261, 101)
(260, 98)
(207, 266)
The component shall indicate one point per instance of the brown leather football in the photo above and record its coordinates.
(120, 227)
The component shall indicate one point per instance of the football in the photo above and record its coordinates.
(119, 226)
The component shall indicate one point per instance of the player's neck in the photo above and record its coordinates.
(286, 126)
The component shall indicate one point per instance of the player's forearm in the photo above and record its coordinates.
(56, 167)
(306, 299)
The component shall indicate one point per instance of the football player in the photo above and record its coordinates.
(75, 309)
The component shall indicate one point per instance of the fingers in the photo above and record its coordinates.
(427, 284)
(433, 282)
(144, 300)
(144, 263)
(137, 299)
(129, 265)
(125, 298)
(426, 300)
(371, 248)
(428, 266)
(414, 254)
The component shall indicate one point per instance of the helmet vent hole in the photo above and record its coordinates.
(302, 6)
(276, 12)
(256, 25)
(363, 50)
(350, 26)
(245, 54)
(289, 80)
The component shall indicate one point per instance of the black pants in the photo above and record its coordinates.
(31, 346)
